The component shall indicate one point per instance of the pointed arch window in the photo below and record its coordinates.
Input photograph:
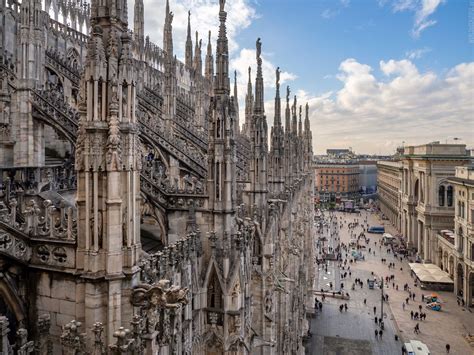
(214, 293)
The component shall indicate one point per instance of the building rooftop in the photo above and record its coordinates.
(436, 149)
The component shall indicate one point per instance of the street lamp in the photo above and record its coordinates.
(381, 305)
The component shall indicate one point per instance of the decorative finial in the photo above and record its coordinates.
(287, 93)
(277, 76)
(259, 48)
(222, 4)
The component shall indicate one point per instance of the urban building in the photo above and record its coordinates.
(336, 180)
(367, 176)
(136, 217)
(427, 201)
(389, 188)
(456, 248)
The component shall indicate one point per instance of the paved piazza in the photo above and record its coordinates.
(353, 332)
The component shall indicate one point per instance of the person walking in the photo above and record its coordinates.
(376, 334)
(375, 309)
(417, 328)
(403, 305)
(448, 347)
(411, 315)
(365, 301)
(380, 333)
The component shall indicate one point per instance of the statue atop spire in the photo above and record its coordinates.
(259, 105)
(277, 79)
(222, 56)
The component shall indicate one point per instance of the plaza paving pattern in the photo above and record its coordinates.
(355, 329)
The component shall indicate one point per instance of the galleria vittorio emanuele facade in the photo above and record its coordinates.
(137, 215)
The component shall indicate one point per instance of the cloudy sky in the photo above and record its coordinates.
(376, 73)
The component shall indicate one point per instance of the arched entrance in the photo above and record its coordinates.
(440, 258)
(11, 306)
(470, 290)
(451, 266)
(460, 280)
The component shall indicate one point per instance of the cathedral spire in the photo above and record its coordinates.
(235, 84)
(138, 23)
(209, 70)
(287, 111)
(189, 45)
(300, 123)
(277, 119)
(248, 104)
(197, 55)
(222, 85)
(306, 119)
(168, 32)
(294, 121)
(259, 106)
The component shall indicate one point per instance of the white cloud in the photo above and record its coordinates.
(204, 17)
(345, 3)
(374, 115)
(423, 9)
(328, 14)
(417, 53)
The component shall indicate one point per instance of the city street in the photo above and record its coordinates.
(353, 332)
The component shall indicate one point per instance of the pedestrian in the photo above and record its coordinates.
(376, 334)
(375, 309)
(345, 307)
(448, 347)
(380, 321)
(403, 305)
(376, 320)
(417, 328)
(411, 314)
(422, 298)
(413, 296)
(406, 300)
(420, 307)
(320, 306)
(365, 301)
(380, 333)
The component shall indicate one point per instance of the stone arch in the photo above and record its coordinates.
(440, 257)
(11, 304)
(73, 58)
(470, 289)
(449, 196)
(416, 190)
(451, 266)
(460, 280)
(215, 295)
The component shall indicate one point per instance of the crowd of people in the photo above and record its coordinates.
(345, 254)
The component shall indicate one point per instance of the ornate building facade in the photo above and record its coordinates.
(136, 216)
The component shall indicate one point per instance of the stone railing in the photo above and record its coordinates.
(47, 221)
(57, 61)
(51, 107)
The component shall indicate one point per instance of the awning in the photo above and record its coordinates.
(430, 273)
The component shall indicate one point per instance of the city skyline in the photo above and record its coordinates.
(416, 89)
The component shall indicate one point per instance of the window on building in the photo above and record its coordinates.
(463, 206)
(441, 191)
(449, 196)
